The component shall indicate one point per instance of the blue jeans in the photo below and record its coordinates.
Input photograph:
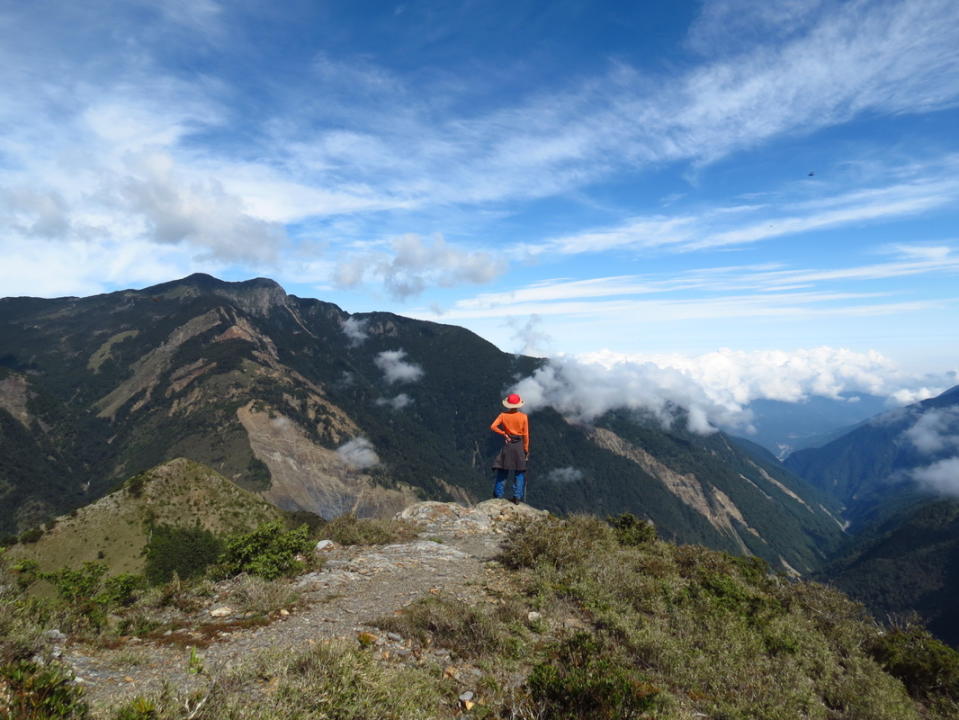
(519, 484)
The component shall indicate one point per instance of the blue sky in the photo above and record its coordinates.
(724, 184)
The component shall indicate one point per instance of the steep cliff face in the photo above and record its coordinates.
(322, 411)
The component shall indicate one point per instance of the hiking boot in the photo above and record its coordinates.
(515, 501)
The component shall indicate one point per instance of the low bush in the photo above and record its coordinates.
(270, 551)
(186, 552)
(470, 631)
(630, 530)
(589, 680)
(559, 543)
(351, 530)
(137, 709)
(31, 536)
(927, 667)
(29, 691)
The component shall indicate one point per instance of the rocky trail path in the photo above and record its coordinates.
(452, 557)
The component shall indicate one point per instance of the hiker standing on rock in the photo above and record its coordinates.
(514, 427)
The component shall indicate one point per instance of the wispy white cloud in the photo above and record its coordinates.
(565, 475)
(941, 477)
(715, 227)
(355, 329)
(121, 143)
(767, 305)
(413, 264)
(935, 431)
(397, 402)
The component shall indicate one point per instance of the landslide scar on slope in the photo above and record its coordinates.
(710, 502)
(13, 398)
(307, 476)
(147, 370)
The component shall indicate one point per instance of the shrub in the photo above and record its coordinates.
(560, 543)
(187, 552)
(351, 530)
(470, 631)
(927, 667)
(630, 530)
(34, 692)
(135, 485)
(121, 589)
(586, 679)
(27, 572)
(31, 536)
(76, 586)
(269, 551)
(137, 709)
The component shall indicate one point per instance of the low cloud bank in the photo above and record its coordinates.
(395, 369)
(935, 431)
(715, 388)
(358, 453)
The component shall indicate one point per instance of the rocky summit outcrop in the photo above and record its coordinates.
(451, 519)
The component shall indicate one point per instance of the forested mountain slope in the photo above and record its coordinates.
(325, 412)
(893, 460)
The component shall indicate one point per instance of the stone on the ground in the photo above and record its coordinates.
(222, 611)
(366, 639)
(534, 616)
(325, 546)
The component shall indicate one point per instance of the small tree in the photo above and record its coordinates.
(268, 551)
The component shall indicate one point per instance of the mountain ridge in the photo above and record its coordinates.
(329, 412)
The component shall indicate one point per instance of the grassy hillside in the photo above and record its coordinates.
(582, 620)
(115, 529)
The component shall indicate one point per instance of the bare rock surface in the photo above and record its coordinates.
(452, 557)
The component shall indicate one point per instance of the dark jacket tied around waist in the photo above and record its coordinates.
(512, 456)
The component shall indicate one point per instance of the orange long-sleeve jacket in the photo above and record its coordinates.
(513, 423)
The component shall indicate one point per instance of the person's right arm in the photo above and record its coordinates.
(495, 427)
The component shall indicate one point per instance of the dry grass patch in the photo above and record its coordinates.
(351, 530)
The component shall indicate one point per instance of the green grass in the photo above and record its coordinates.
(629, 627)
(334, 680)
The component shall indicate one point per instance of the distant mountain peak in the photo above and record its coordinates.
(257, 296)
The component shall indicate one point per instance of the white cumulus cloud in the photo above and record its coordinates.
(396, 369)
(358, 453)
